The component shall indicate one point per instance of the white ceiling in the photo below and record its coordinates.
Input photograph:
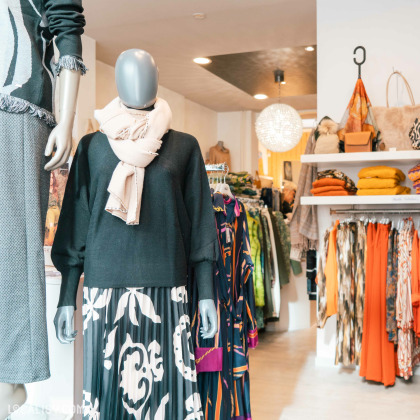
(167, 29)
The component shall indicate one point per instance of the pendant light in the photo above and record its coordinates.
(279, 126)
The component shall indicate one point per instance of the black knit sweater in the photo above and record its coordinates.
(176, 229)
(27, 52)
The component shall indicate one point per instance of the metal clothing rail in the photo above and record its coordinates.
(373, 211)
(217, 167)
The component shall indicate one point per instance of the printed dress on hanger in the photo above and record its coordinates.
(225, 388)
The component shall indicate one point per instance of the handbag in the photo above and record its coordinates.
(415, 135)
(395, 123)
(358, 142)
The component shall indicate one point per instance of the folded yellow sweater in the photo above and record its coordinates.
(377, 183)
(384, 191)
(381, 172)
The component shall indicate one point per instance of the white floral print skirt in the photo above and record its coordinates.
(138, 355)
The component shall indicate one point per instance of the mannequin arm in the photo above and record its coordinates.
(61, 136)
(208, 318)
(63, 322)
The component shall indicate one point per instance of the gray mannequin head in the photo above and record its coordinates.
(137, 78)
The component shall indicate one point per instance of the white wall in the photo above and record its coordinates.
(236, 130)
(390, 32)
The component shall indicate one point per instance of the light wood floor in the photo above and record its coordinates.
(286, 385)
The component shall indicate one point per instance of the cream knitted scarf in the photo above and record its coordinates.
(135, 137)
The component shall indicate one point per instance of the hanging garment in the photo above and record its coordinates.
(304, 222)
(391, 286)
(404, 307)
(359, 279)
(24, 186)
(267, 197)
(138, 355)
(275, 289)
(286, 245)
(311, 273)
(415, 283)
(268, 271)
(254, 238)
(378, 357)
(225, 392)
(282, 252)
(331, 284)
(321, 281)
(276, 199)
(345, 336)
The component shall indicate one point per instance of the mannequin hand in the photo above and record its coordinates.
(208, 318)
(63, 322)
(61, 138)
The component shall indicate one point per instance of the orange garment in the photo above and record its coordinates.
(323, 182)
(327, 188)
(415, 282)
(333, 193)
(331, 282)
(378, 354)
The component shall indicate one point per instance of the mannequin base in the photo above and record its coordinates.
(12, 397)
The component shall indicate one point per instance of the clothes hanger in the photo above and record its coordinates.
(222, 187)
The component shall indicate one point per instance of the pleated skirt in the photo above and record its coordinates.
(138, 355)
(24, 187)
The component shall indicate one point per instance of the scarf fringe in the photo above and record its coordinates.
(70, 63)
(12, 104)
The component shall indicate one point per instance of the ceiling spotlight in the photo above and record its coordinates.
(199, 16)
(260, 96)
(310, 48)
(202, 60)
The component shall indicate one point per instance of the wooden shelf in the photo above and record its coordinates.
(359, 159)
(360, 200)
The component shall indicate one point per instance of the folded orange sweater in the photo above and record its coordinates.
(328, 182)
(326, 188)
(334, 193)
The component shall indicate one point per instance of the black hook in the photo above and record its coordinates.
(361, 62)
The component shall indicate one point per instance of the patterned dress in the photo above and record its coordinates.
(404, 307)
(138, 355)
(391, 286)
(359, 278)
(225, 387)
(345, 347)
(322, 282)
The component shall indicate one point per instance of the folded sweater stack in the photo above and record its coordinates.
(333, 183)
(414, 175)
(381, 180)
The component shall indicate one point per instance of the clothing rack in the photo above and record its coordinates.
(217, 167)
(374, 211)
(246, 200)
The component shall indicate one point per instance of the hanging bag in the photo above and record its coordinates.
(395, 123)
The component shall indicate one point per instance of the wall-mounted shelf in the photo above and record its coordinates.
(360, 200)
(359, 159)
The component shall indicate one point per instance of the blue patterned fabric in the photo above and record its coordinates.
(226, 394)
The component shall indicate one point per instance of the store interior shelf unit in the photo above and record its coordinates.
(360, 200)
(358, 159)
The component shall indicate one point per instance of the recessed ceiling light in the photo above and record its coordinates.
(283, 82)
(310, 48)
(199, 16)
(260, 96)
(202, 60)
